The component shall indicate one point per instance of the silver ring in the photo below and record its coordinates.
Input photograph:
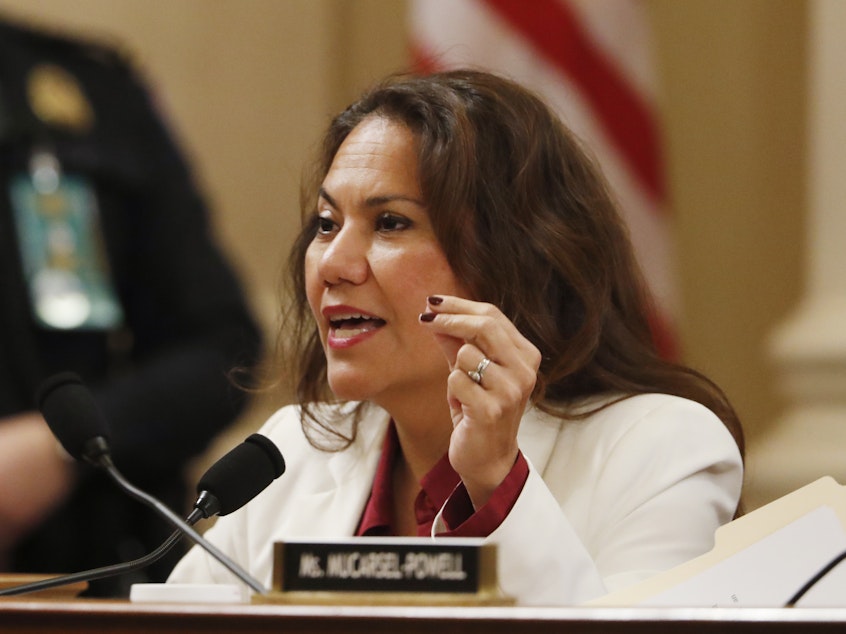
(477, 374)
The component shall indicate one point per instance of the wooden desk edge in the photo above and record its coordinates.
(120, 616)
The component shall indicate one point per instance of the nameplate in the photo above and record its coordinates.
(462, 569)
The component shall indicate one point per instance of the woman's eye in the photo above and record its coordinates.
(392, 222)
(325, 226)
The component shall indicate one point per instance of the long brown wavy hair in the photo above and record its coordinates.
(527, 222)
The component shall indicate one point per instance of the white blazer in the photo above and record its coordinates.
(634, 489)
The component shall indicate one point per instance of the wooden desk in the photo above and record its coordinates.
(115, 617)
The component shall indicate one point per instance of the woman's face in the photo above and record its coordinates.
(371, 265)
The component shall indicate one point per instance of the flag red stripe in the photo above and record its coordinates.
(663, 335)
(423, 62)
(555, 32)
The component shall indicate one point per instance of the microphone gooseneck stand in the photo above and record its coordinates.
(75, 419)
(145, 498)
(106, 571)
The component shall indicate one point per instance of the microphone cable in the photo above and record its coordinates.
(791, 602)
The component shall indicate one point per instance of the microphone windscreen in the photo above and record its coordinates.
(243, 473)
(71, 412)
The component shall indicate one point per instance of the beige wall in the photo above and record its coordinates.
(249, 85)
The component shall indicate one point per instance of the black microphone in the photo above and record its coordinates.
(75, 419)
(226, 486)
(239, 476)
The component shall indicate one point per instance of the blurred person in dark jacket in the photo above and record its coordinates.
(108, 269)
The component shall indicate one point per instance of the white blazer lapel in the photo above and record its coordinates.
(343, 488)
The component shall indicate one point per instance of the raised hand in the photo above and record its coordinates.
(493, 369)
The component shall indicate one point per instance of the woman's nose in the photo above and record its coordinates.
(345, 258)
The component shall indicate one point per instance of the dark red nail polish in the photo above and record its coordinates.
(434, 300)
(427, 316)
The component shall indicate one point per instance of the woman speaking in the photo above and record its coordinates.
(472, 357)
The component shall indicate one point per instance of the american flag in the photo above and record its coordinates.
(591, 61)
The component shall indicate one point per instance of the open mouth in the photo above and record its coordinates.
(346, 326)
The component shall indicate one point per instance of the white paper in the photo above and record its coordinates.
(187, 593)
(770, 571)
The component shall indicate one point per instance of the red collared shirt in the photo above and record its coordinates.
(437, 486)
